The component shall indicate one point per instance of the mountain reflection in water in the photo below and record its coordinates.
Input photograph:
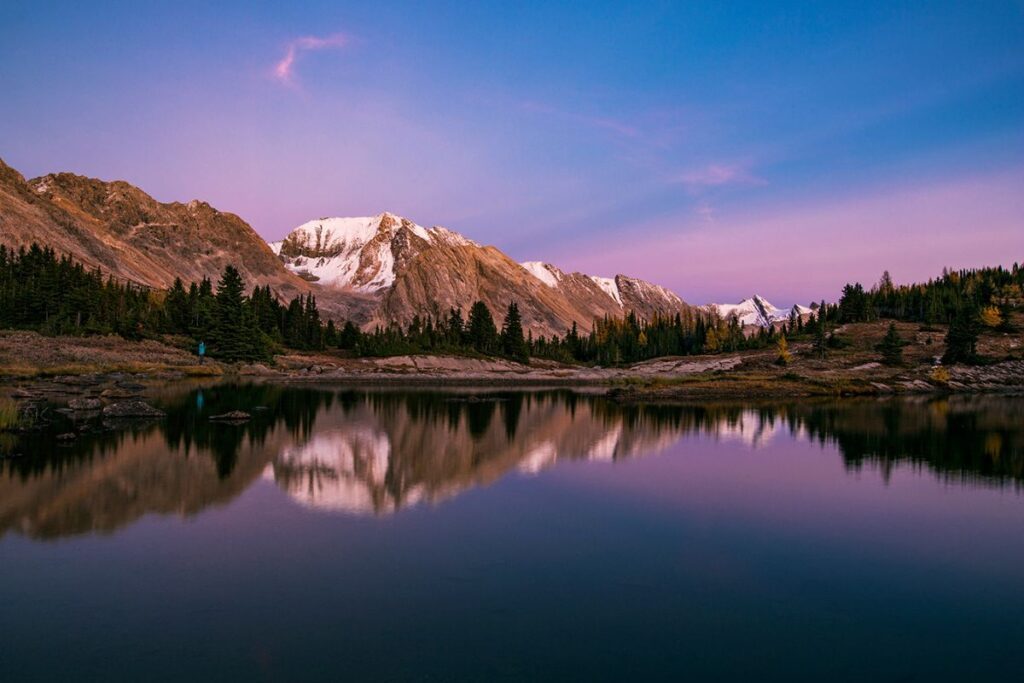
(375, 452)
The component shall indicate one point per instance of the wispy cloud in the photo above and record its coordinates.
(719, 175)
(284, 70)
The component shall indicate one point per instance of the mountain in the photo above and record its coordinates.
(125, 232)
(373, 271)
(758, 312)
(391, 269)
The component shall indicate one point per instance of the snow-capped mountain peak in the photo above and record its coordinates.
(757, 311)
(358, 253)
(386, 269)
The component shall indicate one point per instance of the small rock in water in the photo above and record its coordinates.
(115, 392)
(67, 436)
(131, 409)
(233, 416)
(83, 404)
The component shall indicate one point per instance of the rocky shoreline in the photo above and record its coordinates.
(60, 369)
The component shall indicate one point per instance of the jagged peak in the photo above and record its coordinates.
(757, 310)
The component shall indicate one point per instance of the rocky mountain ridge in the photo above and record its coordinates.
(397, 269)
(126, 233)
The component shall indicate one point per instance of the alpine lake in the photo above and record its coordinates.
(345, 533)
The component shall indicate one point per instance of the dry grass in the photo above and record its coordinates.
(30, 355)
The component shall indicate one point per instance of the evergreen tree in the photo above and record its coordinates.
(513, 344)
(456, 328)
(348, 339)
(821, 332)
(482, 333)
(892, 347)
(203, 306)
(853, 305)
(177, 308)
(962, 338)
(235, 336)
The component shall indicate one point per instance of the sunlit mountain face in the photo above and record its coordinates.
(374, 453)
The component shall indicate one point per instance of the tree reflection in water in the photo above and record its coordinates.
(376, 451)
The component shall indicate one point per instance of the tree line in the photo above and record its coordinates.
(967, 300)
(57, 295)
(53, 294)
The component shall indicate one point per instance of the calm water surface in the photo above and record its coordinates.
(382, 535)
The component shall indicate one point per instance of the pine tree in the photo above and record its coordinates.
(456, 328)
(892, 347)
(821, 332)
(348, 339)
(482, 333)
(513, 344)
(962, 338)
(313, 327)
(235, 335)
(853, 305)
(177, 307)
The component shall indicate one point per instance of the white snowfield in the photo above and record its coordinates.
(757, 311)
(357, 252)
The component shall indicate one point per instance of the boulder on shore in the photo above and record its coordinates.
(85, 404)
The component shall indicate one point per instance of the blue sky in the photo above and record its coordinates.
(717, 148)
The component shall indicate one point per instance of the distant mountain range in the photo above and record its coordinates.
(372, 270)
(394, 269)
(758, 312)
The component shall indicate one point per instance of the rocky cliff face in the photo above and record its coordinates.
(125, 232)
(397, 269)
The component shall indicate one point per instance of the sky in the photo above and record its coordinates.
(720, 149)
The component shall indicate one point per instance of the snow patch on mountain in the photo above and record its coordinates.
(544, 272)
(610, 287)
(647, 291)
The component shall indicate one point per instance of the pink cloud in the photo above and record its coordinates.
(284, 70)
